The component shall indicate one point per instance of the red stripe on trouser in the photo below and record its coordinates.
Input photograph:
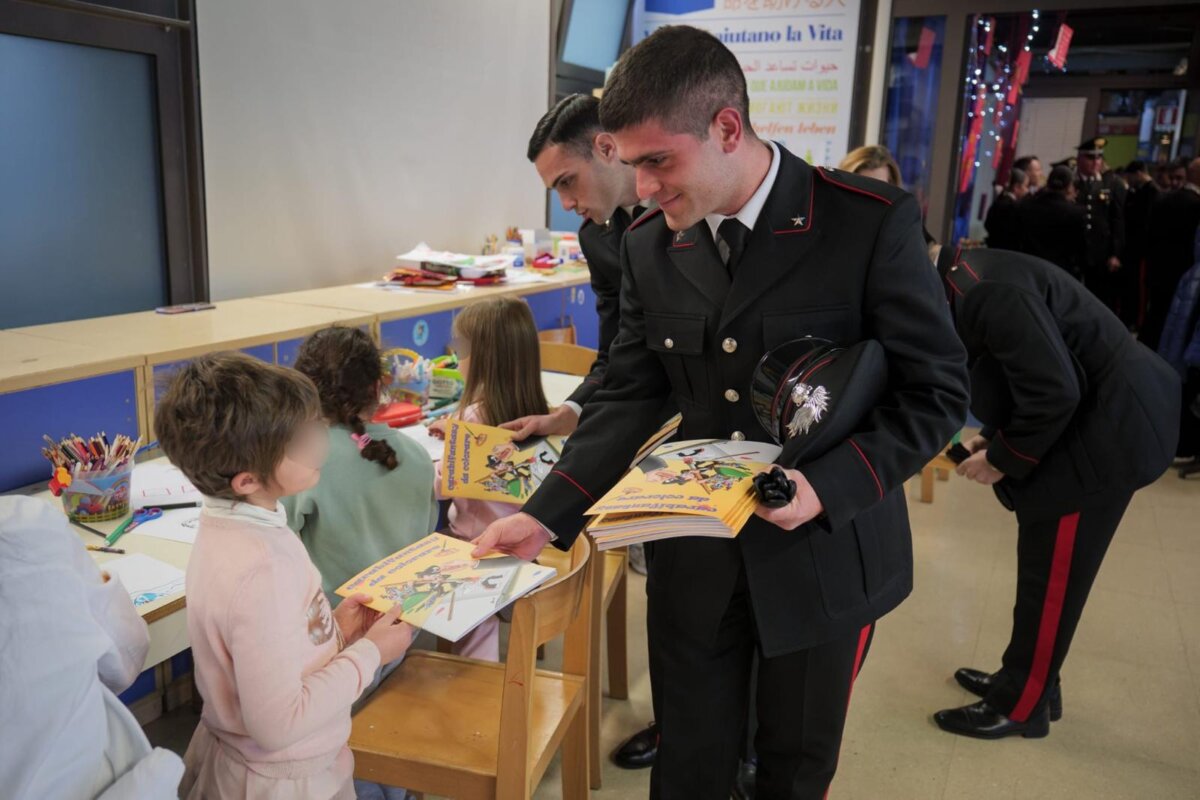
(863, 637)
(1052, 606)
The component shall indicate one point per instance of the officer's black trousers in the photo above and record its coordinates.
(1058, 556)
(702, 692)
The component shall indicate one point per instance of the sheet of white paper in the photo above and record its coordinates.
(178, 525)
(420, 435)
(517, 276)
(146, 579)
(159, 483)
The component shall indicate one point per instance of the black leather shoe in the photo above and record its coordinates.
(639, 750)
(979, 683)
(747, 777)
(984, 722)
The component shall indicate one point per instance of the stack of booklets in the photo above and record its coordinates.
(480, 462)
(442, 589)
(418, 278)
(701, 487)
(455, 266)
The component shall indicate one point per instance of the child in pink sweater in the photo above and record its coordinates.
(278, 670)
(497, 346)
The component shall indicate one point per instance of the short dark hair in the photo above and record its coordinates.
(678, 75)
(1136, 166)
(1060, 178)
(1016, 177)
(227, 413)
(573, 123)
(1023, 162)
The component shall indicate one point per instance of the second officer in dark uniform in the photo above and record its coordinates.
(1101, 194)
(575, 157)
(1077, 416)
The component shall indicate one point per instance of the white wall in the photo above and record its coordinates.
(338, 134)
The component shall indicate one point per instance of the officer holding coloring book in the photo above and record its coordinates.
(749, 249)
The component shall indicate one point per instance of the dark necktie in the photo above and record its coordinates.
(637, 212)
(734, 234)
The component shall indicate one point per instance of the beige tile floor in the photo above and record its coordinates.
(1131, 684)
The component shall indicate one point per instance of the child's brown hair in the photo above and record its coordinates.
(505, 373)
(227, 413)
(345, 365)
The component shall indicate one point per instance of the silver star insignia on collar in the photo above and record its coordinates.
(798, 221)
(679, 236)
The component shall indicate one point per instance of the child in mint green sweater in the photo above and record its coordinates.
(375, 495)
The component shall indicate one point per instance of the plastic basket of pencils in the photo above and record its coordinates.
(92, 476)
(407, 376)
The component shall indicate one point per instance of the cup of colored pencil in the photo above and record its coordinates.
(92, 475)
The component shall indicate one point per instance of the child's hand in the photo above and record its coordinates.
(354, 617)
(390, 636)
(437, 428)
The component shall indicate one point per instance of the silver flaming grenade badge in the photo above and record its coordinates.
(811, 403)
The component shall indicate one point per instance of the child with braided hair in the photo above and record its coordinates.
(375, 495)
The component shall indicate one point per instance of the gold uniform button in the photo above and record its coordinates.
(738, 436)
(729, 345)
(668, 343)
(731, 395)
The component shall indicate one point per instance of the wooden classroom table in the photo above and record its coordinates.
(167, 617)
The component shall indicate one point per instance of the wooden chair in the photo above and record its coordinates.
(608, 592)
(569, 358)
(941, 466)
(464, 728)
(560, 335)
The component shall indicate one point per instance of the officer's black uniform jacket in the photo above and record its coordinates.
(601, 245)
(1071, 402)
(832, 255)
(1103, 203)
(1053, 228)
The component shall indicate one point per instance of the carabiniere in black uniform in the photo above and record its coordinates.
(1102, 198)
(1079, 415)
(832, 255)
(601, 245)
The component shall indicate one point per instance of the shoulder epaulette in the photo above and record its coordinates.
(848, 181)
(643, 218)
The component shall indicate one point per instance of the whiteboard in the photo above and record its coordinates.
(337, 135)
(1051, 128)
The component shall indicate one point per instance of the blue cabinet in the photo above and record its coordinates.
(581, 310)
(428, 334)
(87, 406)
(548, 308)
(161, 373)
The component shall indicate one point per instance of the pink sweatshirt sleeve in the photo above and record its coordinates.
(269, 645)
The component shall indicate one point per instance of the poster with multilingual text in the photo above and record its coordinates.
(798, 56)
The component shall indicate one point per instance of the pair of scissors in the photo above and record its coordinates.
(139, 516)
